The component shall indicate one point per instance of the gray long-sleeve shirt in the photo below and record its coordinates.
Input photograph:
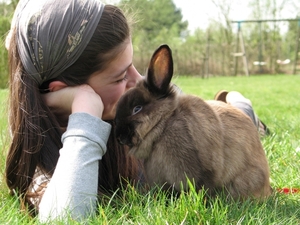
(72, 189)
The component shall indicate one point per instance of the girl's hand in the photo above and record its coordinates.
(66, 100)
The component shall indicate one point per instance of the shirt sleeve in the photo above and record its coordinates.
(72, 190)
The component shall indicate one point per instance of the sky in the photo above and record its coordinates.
(199, 13)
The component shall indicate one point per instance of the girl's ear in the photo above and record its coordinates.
(57, 85)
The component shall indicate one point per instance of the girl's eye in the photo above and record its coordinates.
(137, 109)
(123, 79)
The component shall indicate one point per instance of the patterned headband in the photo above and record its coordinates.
(52, 34)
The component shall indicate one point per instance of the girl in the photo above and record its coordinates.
(70, 62)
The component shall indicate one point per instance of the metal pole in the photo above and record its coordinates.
(258, 21)
(297, 48)
(260, 49)
(245, 61)
(207, 56)
(237, 49)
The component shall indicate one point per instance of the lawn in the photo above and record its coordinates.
(276, 99)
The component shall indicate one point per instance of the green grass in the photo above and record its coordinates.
(276, 99)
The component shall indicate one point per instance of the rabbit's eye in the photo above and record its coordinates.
(136, 109)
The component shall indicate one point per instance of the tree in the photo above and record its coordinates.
(224, 8)
(155, 15)
(157, 22)
(5, 19)
(269, 34)
(222, 34)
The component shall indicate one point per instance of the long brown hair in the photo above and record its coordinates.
(35, 132)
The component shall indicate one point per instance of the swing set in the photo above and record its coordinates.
(260, 62)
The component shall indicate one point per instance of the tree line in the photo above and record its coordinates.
(205, 52)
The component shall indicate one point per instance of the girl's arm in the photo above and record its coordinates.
(72, 189)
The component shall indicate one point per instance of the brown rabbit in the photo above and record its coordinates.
(181, 136)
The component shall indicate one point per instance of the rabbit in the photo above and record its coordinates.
(181, 137)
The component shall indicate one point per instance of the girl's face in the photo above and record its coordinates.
(114, 81)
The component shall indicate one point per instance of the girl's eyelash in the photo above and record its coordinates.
(123, 79)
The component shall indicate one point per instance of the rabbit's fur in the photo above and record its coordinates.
(181, 136)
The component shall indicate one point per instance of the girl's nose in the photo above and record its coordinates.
(133, 77)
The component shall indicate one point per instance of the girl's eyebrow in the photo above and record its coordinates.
(123, 71)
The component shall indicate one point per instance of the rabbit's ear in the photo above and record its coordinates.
(160, 70)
